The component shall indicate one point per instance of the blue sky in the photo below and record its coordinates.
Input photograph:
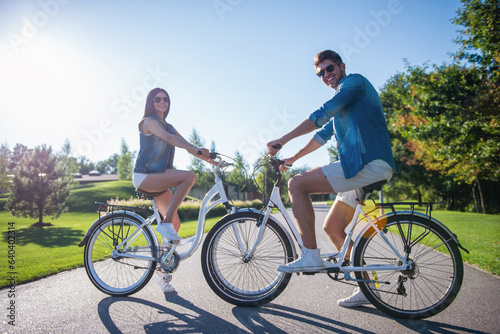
(240, 72)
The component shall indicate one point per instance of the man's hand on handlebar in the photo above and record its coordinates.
(287, 163)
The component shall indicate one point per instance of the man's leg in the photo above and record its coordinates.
(335, 223)
(300, 187)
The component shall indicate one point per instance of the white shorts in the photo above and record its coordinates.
(137, 179)
(374, 171)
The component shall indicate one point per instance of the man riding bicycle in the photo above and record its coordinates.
(355, 116)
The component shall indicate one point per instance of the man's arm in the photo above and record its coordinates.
(303, 128)
(311, 146)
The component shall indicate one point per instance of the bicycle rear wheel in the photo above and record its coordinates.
(241, 282)
(117, 275)
(424, 289)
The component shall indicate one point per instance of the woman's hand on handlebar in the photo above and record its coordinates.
(204, 154)
(273, 147)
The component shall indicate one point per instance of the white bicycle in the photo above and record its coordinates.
(122, 250)
(406, 263)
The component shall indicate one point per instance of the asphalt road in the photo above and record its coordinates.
(69, 303)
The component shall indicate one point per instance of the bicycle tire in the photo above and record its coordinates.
(423, 290)
(117, 276)
(246, 283)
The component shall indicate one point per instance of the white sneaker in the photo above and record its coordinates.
(168, 231)
(163, 283)
(356, 299)
(310, 261)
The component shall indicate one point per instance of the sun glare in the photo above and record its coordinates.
(38, 82)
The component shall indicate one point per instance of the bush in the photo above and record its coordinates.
(189, 209)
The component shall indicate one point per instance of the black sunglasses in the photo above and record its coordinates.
(158, 99)
(330, 68)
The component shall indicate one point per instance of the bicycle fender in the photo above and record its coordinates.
(452, 235)
(120, 214)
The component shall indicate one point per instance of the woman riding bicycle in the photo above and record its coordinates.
(153, 171)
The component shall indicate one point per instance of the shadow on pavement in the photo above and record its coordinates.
(134, 315)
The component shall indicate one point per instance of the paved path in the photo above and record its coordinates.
(68, 303)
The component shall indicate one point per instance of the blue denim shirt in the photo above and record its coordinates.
(155, 154)
(355, 116)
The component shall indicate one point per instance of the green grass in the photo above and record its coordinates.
(478, 233)
(83, 198)
(43, 252)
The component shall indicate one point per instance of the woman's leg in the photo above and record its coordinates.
(163, 202)
(182, 180)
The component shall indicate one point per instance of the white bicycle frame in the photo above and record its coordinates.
(275, 200)
(207, 204)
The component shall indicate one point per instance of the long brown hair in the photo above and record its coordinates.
(150, 109)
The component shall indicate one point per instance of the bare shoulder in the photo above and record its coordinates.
(146, 125)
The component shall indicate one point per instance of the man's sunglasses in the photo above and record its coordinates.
(330, 68)
(158, 99)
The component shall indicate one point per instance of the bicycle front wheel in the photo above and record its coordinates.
(109, 268)
(236, 279)
(425, 288)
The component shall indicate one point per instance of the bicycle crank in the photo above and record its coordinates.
(170, 261)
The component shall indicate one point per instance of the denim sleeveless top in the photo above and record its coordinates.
(155, 154)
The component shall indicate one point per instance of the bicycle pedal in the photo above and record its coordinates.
(310, 273)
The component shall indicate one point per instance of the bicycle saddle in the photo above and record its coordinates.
(362, 193)
(150, 195)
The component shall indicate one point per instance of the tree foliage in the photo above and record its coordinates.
(238, 174)
(125, 162)
(203, 177)
(479, 36)
(4, 167)
(40, 185)
(66, 158)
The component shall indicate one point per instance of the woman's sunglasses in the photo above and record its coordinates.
(330, 68)
(158, 99)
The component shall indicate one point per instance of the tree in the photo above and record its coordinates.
(238, 174)
(125, 162)
(436, 113)
(480, 36)
(85, 165)
(17, 155)
(40, 186)
(4, 167)
(109, 166)
(66, 158)
(203, 177)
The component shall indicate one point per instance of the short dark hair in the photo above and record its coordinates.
(327, 54)
(149, 110)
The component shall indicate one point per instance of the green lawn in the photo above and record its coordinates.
(42, 252)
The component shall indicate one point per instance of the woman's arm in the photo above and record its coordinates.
(151, 126)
